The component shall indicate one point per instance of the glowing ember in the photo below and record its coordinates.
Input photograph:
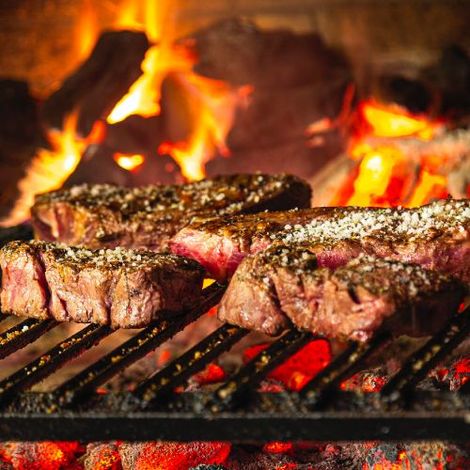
(128, 162)
(301, 366)
(395, 121)
(175, 455)
(46, 455)
(385, 175)
(278, 447)
(48, 169)
(366, 382)
(213, 373)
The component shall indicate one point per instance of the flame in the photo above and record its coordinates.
(215, 104)
(153, 18)
(128, 162)
(48, 169)
(375, 172)
(384, 173)
(395, 121)
(86, 31)
(215, 100)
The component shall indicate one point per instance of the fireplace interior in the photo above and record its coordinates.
(367, 101)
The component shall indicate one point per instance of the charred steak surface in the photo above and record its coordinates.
(118, 287)
(103, 215)
(284, 285)
(435, 236)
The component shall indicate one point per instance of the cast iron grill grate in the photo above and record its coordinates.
(235, 411)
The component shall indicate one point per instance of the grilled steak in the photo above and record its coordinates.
(284, 284)
(122, 288)
(99, 216)
(435, 236)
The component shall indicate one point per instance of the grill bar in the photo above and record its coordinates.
(342, 367)
(23, 334)
(252, 373)
(52, 360)
(164, 382)
(84, 383)
(426, 358)
(159, 414)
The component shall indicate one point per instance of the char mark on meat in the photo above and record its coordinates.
(284, 285)
(435, 236)
(118, 287)
(103, 215)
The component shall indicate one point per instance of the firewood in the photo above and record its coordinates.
(294, 157)
(20, 136)
(240, 53)
(135, 134)
(273, 117)
(98, 84)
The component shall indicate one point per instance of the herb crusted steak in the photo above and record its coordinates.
(435, 236)
(284, 284)
(103, 215)
(122, 288)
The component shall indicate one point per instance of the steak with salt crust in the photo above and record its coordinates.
(104, 215)
(284, 285)
(118, 287)
(435, 236)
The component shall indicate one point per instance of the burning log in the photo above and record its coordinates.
(99, 83)
(20, 135)
(273, 117)
(295, 157)
(266, 59)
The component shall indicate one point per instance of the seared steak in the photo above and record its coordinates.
(435, 236)
(284, 284)
(103, 215)
(122, 288)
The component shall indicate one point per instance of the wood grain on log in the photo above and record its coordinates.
(98, 84)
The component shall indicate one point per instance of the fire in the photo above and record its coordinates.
(48, 170)
(128, 162)
(215, 101)
(87, 30)
(385, 175)
(394, 121)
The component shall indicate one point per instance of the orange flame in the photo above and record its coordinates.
(395, 121)
(153, 18)
(128, 162)
(48, 169)
(383, 168)
(215, 107)
(87, 30)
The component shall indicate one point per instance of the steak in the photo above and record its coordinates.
(284, 285)
(118, 287)
(435, 236)
(98, 216)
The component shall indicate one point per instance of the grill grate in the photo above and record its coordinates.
(235, 410)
